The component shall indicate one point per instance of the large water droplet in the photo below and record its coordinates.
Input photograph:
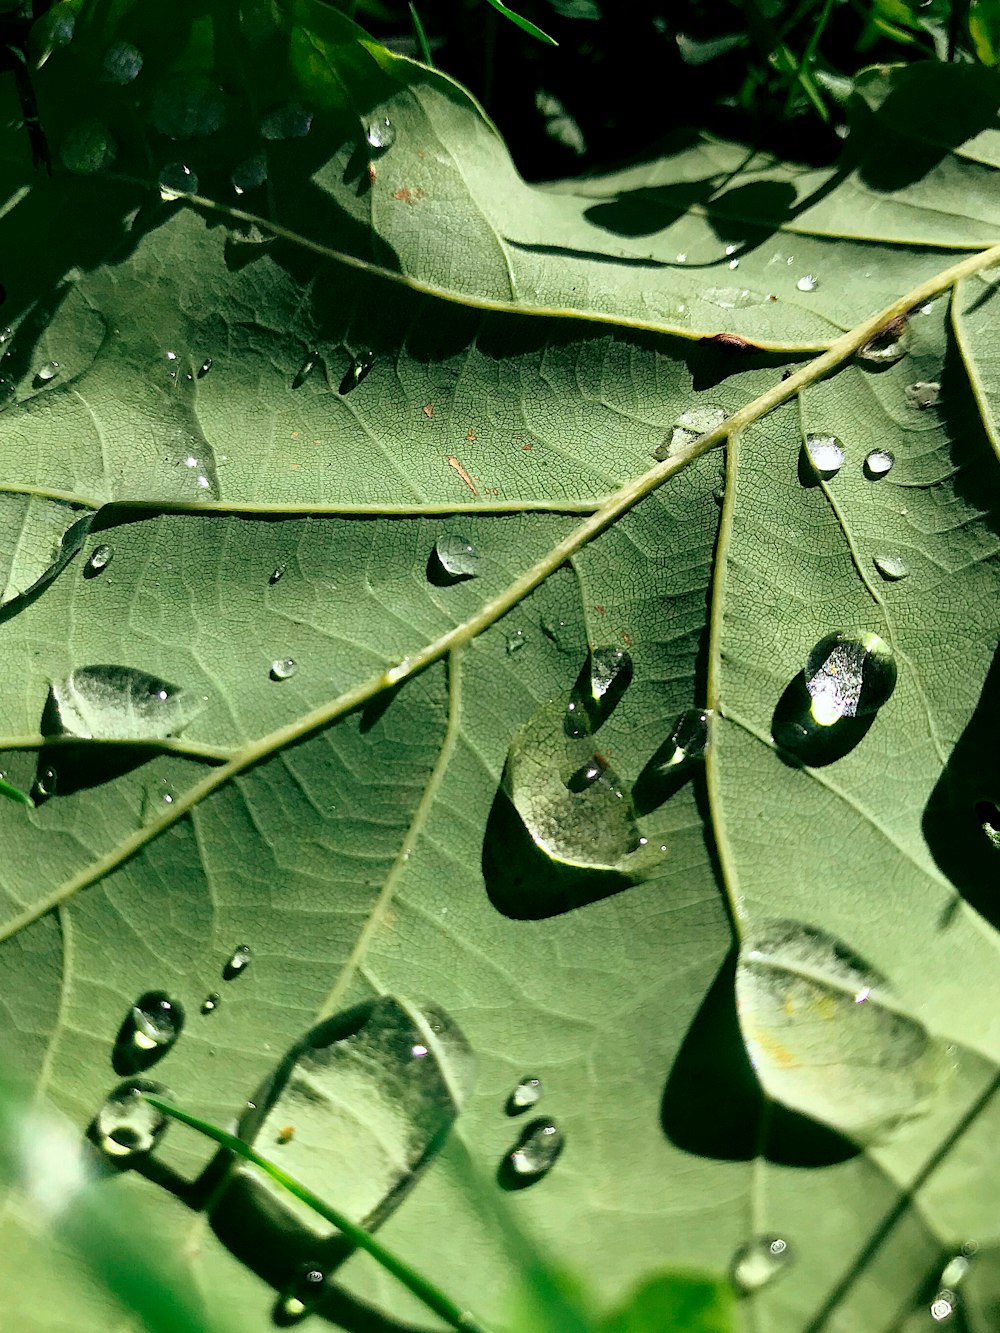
(733, 298)
(189, 107)
(826, 454)
(825, 1034)
(122, 63)
(100, 558)
(807, 283)
(381, 133)
(150, 1029)
(87, 148)
(689, 427)
(176, 181)
(456, 558)
(588, 824)
(535, 1152)
(759, 1262)
(527, 1093)
(606, 675)
(283, 667)
(877, 463)
(127, 1126)
(249, 174)
(120, 703)
(301, 1296)
(47, 371)
(291, 121)
(923, 394)
(359, 368)
(888, 345)
(849, 675)
(238, 962)
(891, 567)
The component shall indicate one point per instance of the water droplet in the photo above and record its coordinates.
(955, 1271)
(733, 298)
(827, 1037)
(688, 740)
(122, 63)
(588, 824)
(891, 567)
(943, 1306)
(120, 703)
(826, 454)
(888, 345)
(176, 181)
(205, 367)
(48, 371)
(127, 1125)
(456, 557)
(305, 370)
(515, 641)
(302, 1294)
(277, 574)
(100, 558)
(681, 257)
(606, 675)
(189, 107)
(734, 263)
(381, 133)
(6, 334)
(238, 962)
(46, 783)
(249, 174)
(357, 371)
(807, 283)
(878, 463)
(527, 1093)
(731, 249)
(150, 1029)
(849, 675)
(689, 427)
(283, 667)
(759, 1262)
(535, 1152)
(87, 148)
(210, 1002)
(291, 121)
(923, 394)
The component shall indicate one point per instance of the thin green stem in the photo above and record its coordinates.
(421, 1287)
(524, 24)
(423, 46)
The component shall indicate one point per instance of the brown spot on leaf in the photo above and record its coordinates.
(428, 410)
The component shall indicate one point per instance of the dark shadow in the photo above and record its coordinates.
(807, 474)
(649, 209)
(803, 741)
(962, 815)
(749, 213)
(376, 707)
(72, 766)
(713, 1105)
(715, 361)
(525, 884)
(441, 577)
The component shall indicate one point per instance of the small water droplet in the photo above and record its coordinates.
(606, 675)
(731, 249)
(122, 63)
(923, 394)
(46, 783)
(283, 667)
(689, 427)
(381, 133)
(238, 962)
(302, 1294)
(759, 1262)
(688, 740)
(733, 298)
(249, 174)
(305, 370)
(456, 557)
(100, 558)
(516, 640)
(176, 181)
(891, 567)
(46, 372)
(849, 675)
(681, 257)
(888, 345)
(359, 368)
(150, 1029)
(955, 1271)
(205, 367)
(210, 1002)
(877, 463)
(943, 1306)
(808, 282)
(88, 148)
(826, 454)
(535, 1152)
(127, 1125)
(277, 574)
(734, 263)
(6, 334)
(291, 121)
(527, 1093)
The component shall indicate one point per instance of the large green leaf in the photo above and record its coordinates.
(177, 366)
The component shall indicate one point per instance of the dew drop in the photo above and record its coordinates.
(122, 63)
(302, 1294)
(205, 367)
(849, 675)
(456, 557)
(878, 463)
(249, 174)
(46, 372)
(150, 1029)
(176, 181)
(381, 133)
(606, 675)
(127, 1125)
(88, 148)
(759, 1262)
(282, 668)
(527, 1093)
(359, 368)
(681, 257)
(943, 1306)
(305, 370)
(923, 394)
(891, 567)
(888, 345)
(210, 1002)
(826, 454)
(807, 283)
(955, 1271)
(238, 962)
(277, 574)
(100, 558)
(515, 641)
(291, 121)
(535, 1152)
(688, 740)
(6, 334)
(689, 427)
(734, 263)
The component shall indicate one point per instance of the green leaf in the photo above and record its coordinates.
(277, 408)
(680, 1301)
(524, 24)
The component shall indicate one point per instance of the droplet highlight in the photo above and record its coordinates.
(359, 369)
(302, 1294)
(849, 675)
(606, 675)
(99, 559)
(807, 283)
(526, 1094)
(283, 668)
(176, 181)
(381, 133)
(238, 962)
(825, 454)
(127, 1126)
(759, 1262)
(46, 372)
(211, 1002)
(877, 463)
(535, 1153)
(249, 174)
(690, 427)
(120, 703)
(150, 1029)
